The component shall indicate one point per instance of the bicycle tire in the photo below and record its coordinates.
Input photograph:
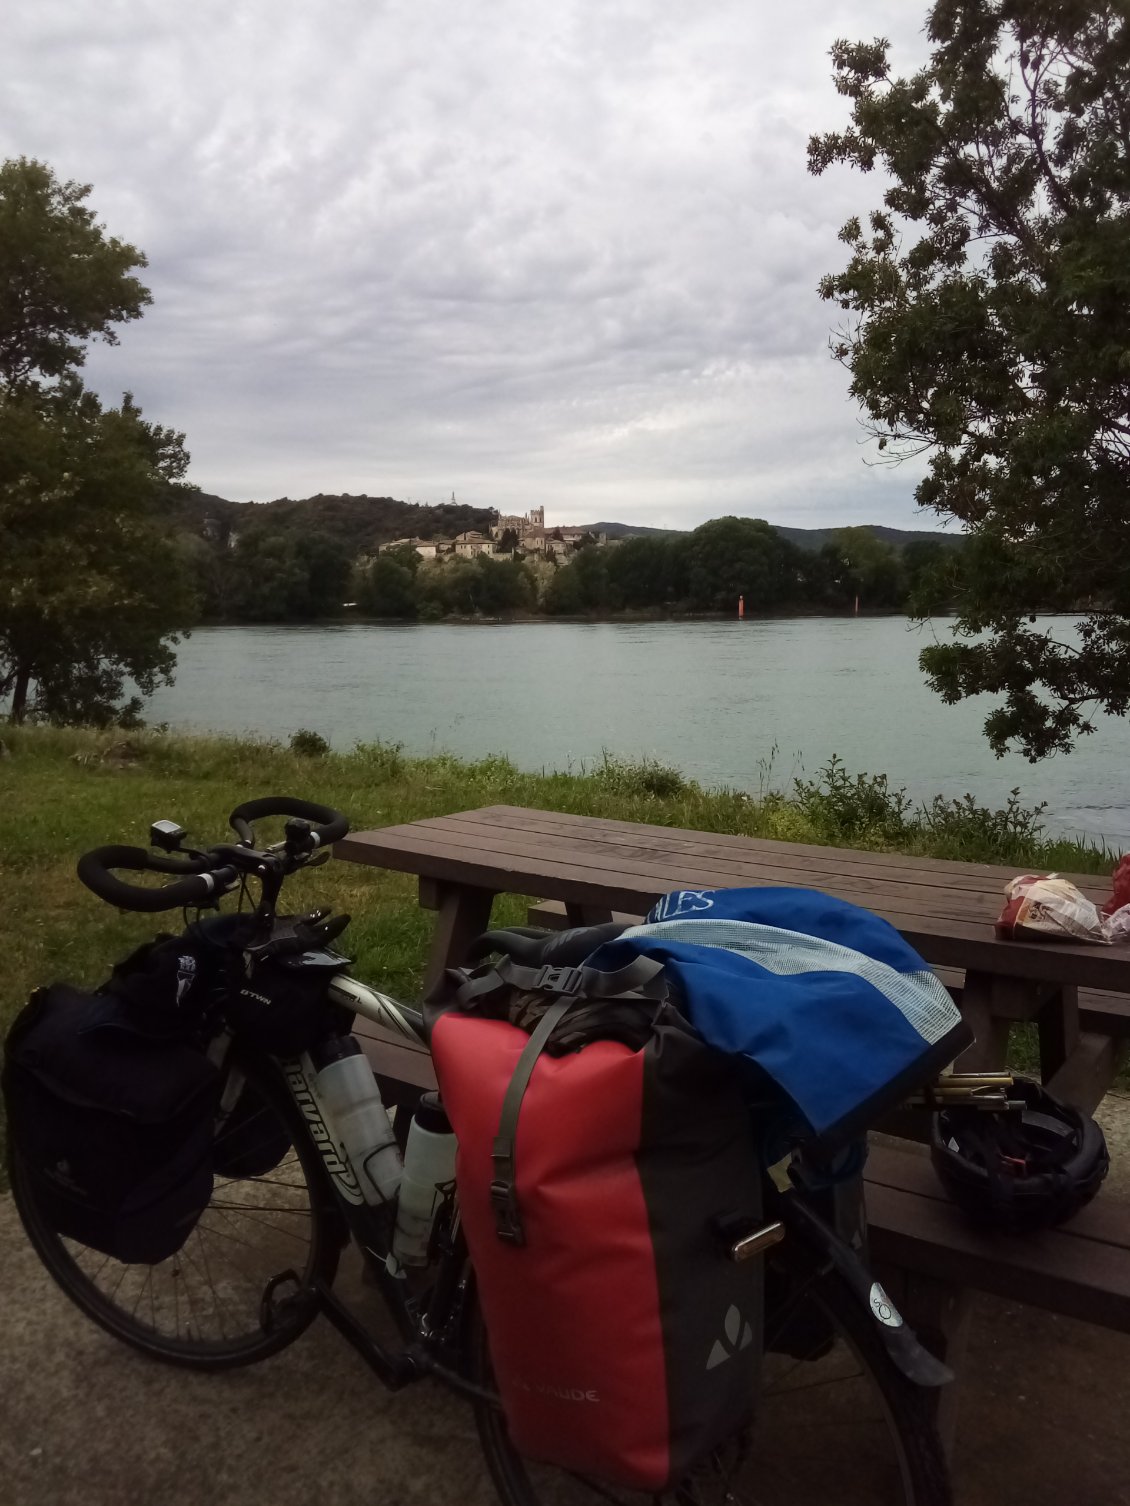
(267, 1217)
(922, 1474)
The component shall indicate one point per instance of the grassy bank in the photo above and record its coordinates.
(63, 791)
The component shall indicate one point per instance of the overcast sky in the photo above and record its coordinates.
(562, 254)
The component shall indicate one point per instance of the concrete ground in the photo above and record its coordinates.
(86, 1422)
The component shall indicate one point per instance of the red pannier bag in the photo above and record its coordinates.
(625, 1341)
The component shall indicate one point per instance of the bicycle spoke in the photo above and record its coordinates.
(216, 1299)
(253, 1214)
(230, 1241)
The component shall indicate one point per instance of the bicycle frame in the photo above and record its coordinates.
(431, 1332)
(435, 1330)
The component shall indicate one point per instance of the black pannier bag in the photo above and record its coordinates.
(251, 1140)
(170, 984)
(602, 1185)
(187, 986)
(177, 988)
(113, 1127)
(279, 1005)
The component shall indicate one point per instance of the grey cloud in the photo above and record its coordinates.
(413, 248)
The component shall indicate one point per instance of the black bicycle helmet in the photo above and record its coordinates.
(1021, 1170)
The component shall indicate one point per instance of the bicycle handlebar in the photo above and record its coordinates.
(207, 875)
(203, 883)
(329, 825)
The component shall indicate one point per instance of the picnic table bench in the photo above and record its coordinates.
(582, 870)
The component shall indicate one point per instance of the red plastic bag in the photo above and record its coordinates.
(1120, 889)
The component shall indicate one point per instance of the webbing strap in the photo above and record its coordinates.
(636, 976)
(633, 977)
(503, 1196)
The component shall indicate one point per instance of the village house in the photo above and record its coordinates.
(469, 544)
(427, 549)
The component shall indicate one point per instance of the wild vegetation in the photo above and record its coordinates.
(65, 791)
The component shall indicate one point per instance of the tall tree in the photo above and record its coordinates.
(388, 589)
(91, 590)
(988, 326)
(732, 557)
(63, 281)
(90, 586)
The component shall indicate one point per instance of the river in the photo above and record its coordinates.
(737, 703)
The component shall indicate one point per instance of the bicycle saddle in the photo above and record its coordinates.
(536, 948)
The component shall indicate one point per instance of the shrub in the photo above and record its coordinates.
(309, 744)
(1010, 834)
(643, 776)
(845, 807)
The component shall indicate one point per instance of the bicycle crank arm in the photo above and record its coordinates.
(901, 1342)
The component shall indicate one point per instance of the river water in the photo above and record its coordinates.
(723, 701)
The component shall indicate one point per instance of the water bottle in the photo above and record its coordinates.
(349, 1093)
(429, 1164)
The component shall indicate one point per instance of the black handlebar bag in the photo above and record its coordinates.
(113, 1127)
(602, 1183)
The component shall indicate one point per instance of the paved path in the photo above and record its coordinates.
(86, 1422)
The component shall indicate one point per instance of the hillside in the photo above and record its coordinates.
(357, 523)
(360, 522)
(803, 538)
(898, 538)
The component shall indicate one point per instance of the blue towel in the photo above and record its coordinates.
(826, 998)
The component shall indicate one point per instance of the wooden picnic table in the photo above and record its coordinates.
(1078, 995)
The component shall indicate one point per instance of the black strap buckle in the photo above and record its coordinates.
(558, 980)
(507, 1219)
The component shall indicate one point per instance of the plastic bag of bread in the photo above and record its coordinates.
(1044, 905)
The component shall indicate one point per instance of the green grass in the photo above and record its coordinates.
(59, 796)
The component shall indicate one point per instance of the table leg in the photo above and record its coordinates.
(989, 1052)
(1088, 1073)
(1058, 1023)
(587, 915)
(463, 914)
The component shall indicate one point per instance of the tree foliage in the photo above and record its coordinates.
(707, 570)
(91, 587)
(389, 589)
(987, 325)
(732, 557)
(63, 281)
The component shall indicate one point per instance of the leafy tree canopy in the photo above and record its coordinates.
(987, 306)
(63, 281)
(389, 589)
(91, 589)
(732, 557)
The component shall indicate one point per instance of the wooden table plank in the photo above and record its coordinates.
(992, 873)
(546, 853)
(794, 869)
(603, 874)
(1106, 1219)
(1053, 1270)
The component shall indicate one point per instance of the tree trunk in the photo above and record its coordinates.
(19, 694)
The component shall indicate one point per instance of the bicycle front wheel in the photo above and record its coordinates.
(835, 1421)
(241, 1286)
